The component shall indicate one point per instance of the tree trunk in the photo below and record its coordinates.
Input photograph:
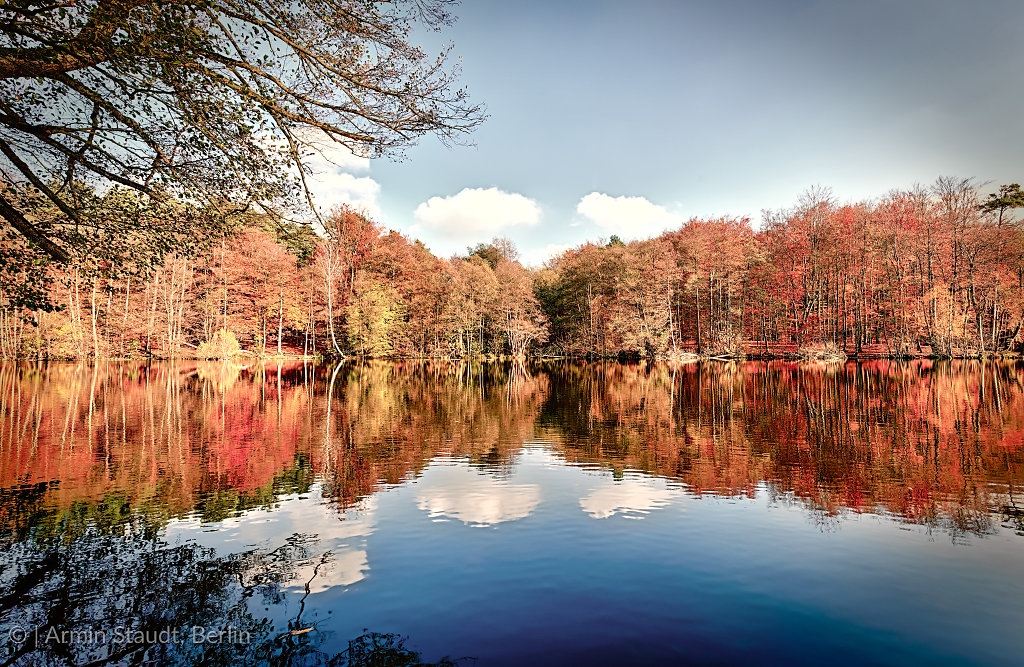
(224, 282)
(696, 309)
(280, 320)
(330, 319)
(124, 316)
(95, 337)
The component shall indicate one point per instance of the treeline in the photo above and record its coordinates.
(271, 288)
(926, 272)
(934, 271)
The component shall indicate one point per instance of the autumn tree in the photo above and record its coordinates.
(517, 311)
(928, 271)
(710, 274)
(500, 248)
(576, 293)
(214, 101)
(471, 301)
(1009, 257)
(349, 236)
(374, 317)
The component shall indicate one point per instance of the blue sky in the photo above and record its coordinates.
(627, 118)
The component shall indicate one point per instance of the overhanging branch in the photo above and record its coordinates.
(29, 231)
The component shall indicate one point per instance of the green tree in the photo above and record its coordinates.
(1009, 197)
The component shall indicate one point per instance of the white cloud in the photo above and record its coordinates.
(627, 217)
(476, 214)
(330, 177)
(537, 256)
(331, 189)
(320, 152)
(477, 500)
(632, 497)
(334, 157)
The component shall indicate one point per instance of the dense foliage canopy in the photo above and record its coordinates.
(925, 272)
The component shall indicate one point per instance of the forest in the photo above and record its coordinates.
(935, 271)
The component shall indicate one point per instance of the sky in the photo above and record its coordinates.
(631, 118)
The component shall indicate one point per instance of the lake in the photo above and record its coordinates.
(501, 514)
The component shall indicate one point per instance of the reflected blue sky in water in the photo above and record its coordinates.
(567, 563)
(573, 513)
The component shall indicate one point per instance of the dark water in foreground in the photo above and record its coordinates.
(547, 514)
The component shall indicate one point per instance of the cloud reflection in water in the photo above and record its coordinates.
(632, 497)
(477, 500)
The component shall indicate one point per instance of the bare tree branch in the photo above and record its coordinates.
(211, 101)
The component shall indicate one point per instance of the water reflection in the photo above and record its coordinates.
(939, 444)
(477, 500)
(262, 498)
(130, 597)
(98, 595)
(339, 552)
(632, 498)
(935, 444)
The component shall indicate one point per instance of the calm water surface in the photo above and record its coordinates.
(556, 513)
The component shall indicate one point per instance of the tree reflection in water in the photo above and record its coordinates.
(128, 597)
(95, 461)
(938, 444)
